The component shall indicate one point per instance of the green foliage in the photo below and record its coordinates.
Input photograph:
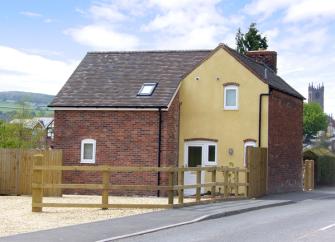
(17, 136)
(314, 119)
(252, 40)
(324, 165)
(326, 170)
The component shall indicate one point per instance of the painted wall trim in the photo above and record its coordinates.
(200, 139)
(231, 84)
(173, 97)
(250, 140)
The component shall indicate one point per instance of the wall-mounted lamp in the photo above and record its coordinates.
(230, 151)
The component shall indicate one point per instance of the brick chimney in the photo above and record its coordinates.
(266, 57)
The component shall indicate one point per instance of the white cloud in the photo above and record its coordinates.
(294, 11)
(30, 14)
(29, 72)
(187, 24)
(310, 9)
(100, 37)
(107, 12)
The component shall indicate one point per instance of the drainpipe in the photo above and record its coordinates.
(260, 117)
(159, 149)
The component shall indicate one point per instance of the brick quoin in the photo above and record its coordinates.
(123, 138)
(285, 143)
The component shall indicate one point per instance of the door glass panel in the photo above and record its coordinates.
(194, 156)
(211, 153)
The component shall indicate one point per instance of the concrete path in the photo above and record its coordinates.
(147, 223)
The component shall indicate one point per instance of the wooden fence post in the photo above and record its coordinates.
(105, 191)
(213, 191)
(198, 189)
(226, 185)
(236, 176)
(37, 178)
(170, 191)
(181, 183)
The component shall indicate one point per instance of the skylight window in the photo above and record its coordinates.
(147, 89)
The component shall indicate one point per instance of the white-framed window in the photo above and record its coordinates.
(88, 151)
(231, 97)
(246, 145)
(147, 89)
(203, 153)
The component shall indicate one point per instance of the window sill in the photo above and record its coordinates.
(230, 109)
(87, 162)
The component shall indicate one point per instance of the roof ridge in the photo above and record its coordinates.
(147, 51)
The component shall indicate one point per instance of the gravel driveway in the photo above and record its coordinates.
(16, 216)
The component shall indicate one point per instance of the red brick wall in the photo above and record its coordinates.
(285, 143)
(123, 138)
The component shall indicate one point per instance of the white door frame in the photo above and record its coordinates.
(189, 176)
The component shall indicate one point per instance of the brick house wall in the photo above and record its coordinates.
(123, 138)
(285, 143)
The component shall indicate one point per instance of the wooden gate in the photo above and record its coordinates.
(257, 177)
(309, 175)
(16, 167)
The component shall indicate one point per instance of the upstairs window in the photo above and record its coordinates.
(147, 89)
(231, 97)
(88, 150)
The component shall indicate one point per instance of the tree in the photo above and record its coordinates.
(314, 119)
(252, 40)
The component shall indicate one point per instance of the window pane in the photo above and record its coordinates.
(230, 97)
(147, 90)
(211, 153)
(88, 151)
(194, 156)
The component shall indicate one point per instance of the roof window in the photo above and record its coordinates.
(147, 89)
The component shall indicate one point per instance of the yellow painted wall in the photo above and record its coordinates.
(202, 114)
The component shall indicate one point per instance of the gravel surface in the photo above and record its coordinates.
(16, 216)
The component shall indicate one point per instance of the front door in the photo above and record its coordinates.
(194, 156)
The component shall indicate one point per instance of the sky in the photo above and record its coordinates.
(42, 41)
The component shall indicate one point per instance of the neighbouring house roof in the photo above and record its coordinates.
(113, 79)
(44, 122)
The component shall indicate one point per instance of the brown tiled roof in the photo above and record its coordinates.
(113, 79)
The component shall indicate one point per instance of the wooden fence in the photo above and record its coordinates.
(309, 175)
(257, 176)
(16, 166)
(230, 191)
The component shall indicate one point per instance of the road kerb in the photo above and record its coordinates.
(199, 219)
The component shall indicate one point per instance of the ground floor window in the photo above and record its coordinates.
(200, 153)
(88, 150)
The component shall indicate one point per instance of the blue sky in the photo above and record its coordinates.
(41, 42)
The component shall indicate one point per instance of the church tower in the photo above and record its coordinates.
(316, 94)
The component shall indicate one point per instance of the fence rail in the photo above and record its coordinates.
(230, 187)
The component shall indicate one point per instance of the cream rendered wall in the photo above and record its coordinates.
(202, 114)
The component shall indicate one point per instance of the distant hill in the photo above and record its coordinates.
(36, 98)
(36, 102)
